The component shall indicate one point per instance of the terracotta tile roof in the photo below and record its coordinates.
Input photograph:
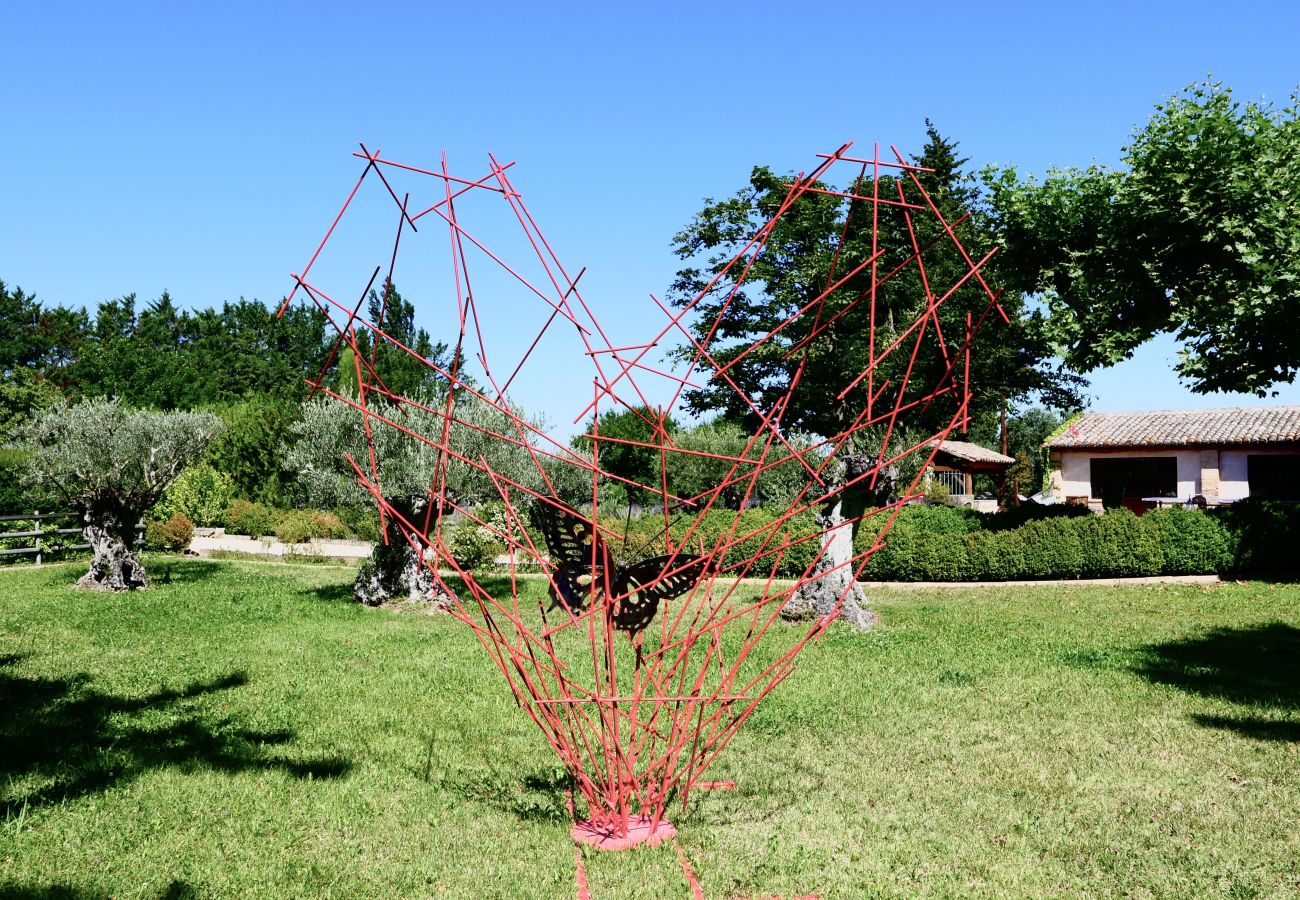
(974, 452)
(1183, 428)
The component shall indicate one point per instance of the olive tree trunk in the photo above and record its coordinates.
(833, 583)
(109, 528)
(395, 571)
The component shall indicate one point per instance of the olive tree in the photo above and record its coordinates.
(332, 430)
(110, 464)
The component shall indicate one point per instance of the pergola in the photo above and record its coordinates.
(968, 460)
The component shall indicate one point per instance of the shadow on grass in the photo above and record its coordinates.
(66, 739)
(1256, 666)
(166, 568)
(177, 890)
(333, 593)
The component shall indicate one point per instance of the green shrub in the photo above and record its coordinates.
(175, 533)
(329, 526)
(15, 497)
(473, 546)
(1016, 516)
(752, 544)
(200, 493)
(250, 450)
(1118, 545)
(1193, 543)
(1262, 535)
(20, 543)
(252, 519)
(997, 556)
(296, 526)
(362, 521)
(1050, 548)
(938, 519)
(302, 525)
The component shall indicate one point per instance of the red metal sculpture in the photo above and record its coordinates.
(638, 674)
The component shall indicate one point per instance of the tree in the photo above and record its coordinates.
(407, 469)
(403, 374)
(250, 449)
(1198, 234)
(818, 233)
(1026, 432)
(111, 464)
(628, 461)
(692, 475)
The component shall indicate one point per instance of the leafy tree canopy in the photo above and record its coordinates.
(100, 448)
(111, 464)
(799, 262)
(1197, 234)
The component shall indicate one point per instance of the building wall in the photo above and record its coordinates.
(1073, 478)
(1233, 483)
(1211, 472)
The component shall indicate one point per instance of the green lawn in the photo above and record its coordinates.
(246, 731)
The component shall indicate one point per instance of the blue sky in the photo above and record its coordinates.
(204, 148)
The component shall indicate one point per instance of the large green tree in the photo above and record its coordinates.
(815, 244)
(404, 374)
(1196, 234)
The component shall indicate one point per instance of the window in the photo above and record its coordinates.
(1125, 480)
(1275, 477)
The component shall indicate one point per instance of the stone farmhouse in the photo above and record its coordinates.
(1141, 460)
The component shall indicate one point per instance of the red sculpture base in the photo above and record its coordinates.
(640, 830)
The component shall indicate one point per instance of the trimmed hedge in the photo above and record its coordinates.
(1251, 536)
(942, 543)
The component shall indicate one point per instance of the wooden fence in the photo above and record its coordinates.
(40, 537)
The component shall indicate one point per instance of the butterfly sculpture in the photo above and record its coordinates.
(585, 570)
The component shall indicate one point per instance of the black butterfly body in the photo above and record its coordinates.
(580, 556)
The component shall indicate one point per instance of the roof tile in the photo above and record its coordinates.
(1182, 428)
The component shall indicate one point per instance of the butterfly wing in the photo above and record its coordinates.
(637, 610)
(570, 539)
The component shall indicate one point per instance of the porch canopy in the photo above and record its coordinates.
(970, 460)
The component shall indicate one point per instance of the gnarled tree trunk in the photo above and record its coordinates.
(395, 571)
(109, 527)
(833, 583)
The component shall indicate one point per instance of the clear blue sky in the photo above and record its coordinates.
(204, 148)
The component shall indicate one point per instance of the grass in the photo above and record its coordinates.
(247, 731)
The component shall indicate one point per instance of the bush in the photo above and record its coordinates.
(473, 546)
(1016, 516)
(1193, 542)
(15, 496)
(1118, 545)
(1050, 548)
(301, 525)
(200, 494)
(1262, 535)
(175, 533)
(252, 519)
(361, 521)
(1115, 545)
(250, 450)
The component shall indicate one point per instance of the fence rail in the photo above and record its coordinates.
(38, 535)
(955, 482)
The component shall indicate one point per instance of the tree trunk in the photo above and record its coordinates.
(109, 528)
(395, 571)
(826, 589)
(832, 582)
